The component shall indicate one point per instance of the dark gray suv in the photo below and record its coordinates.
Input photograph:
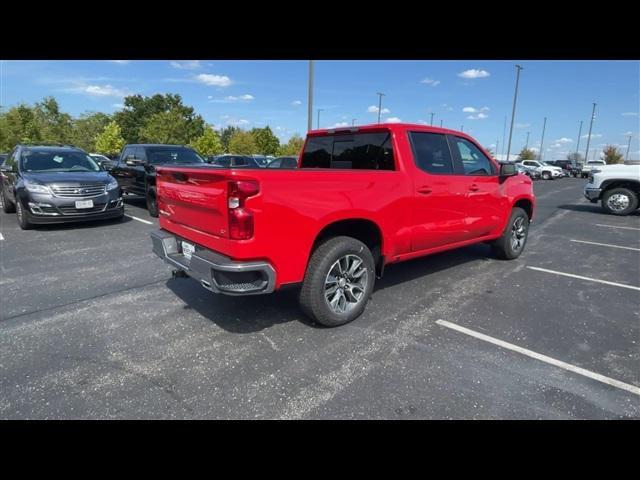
(53, 184)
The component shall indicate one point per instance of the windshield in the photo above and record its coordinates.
(260, 160)
(158, 155)
(43, 161)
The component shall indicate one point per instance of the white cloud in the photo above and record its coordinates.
(340, 124)
(98, 90)
(431, 82)
(626, 134)
(448, 108)
(474, 73)
(374, 109)
(593, 135)
(120, 62)
(475, 110)
(236, 123)
(479, 116)
(630, 114)
(296, 103)
(117, 105)
(214, 80)
(186, 64)
(392, 119)
(564, 140)
(244, 98)
(522, 125)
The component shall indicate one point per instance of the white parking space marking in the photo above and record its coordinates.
(139, 219)
(589, 279)
(542, 358)
(615, 226)
(606, 245)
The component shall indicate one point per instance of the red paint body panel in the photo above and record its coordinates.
(293, 206)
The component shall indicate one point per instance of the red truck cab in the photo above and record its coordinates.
(362, 197)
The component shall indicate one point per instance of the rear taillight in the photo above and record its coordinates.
(240, 217)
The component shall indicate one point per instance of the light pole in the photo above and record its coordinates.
(319, 110)
(513, 112)
(526, 147)
(440, 123)
(353, 122)
(380, 95)
(462, 128)
(544, 125)
(626, 157)
(504, 133)
(310, 98)
(575, 160)
(496, 155)
(593, 115)
(432, 114)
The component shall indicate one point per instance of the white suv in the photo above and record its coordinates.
(547, 172)
(616, 186)
(590, 165)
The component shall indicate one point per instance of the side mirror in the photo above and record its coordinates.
(105, 165)
(133, 161)
(508, 170)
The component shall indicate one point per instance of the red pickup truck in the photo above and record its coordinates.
(361, 198)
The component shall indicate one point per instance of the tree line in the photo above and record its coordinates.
(161, 118)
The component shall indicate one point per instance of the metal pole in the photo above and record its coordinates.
(626, 157)
(462, 128)
(319, 110)
(526, 147)
(380, 95)
(593, 114)
(513, 112)
(353, 122)
(544, 125)
(440, 123)
(432, 118)
(496, 155)
(575, 160)
(310, 98)
(504, 133)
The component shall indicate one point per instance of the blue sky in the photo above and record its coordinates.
(476, 94)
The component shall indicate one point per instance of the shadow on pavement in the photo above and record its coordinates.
(592, 208)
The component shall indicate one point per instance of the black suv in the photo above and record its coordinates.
(136, 168)
(54, 184)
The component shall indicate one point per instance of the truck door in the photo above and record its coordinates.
(121, 170)
(483, 201)
(439, 194)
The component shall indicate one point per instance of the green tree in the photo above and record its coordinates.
(169, 127)
(139, 110)
(242, 143)
(612, 155)
(19, 125)
(527, 154)
(208, 144)
(110, 141)
(266, 142)
(87, 128)
(225, 136)
(54, 126)
(292, 147)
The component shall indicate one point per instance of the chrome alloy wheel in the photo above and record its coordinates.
(618, 202)
(346, 284)
(518, 234)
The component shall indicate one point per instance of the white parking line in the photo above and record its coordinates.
(623, 285)
(606, 245)
(542, 358)
(614, 226)
(139, 219)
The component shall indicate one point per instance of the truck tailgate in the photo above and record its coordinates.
(194, 198)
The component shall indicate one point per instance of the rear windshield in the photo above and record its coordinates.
(359, 151)
(61, 161)
(158, 155)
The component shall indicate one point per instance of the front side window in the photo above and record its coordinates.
(474, 162)
(431, 153)
(51, 161)
(359, 151)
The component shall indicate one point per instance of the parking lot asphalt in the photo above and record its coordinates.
(93, 326)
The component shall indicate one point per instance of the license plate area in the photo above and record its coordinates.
(80, 204)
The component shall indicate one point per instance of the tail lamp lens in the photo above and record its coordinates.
(240, 217)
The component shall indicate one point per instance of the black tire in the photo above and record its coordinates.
(546, 176)
(504, 247)
(152, 203)
(624, 196)
(7, 206)
(23, 216)
(313, 294)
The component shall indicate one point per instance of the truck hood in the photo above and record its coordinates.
(68, 177)
(620, 169)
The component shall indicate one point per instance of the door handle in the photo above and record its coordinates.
(474, 187)
(424, 189)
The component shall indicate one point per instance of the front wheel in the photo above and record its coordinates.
(546, 176)
(619, 201)
(7, 206)
(511, 244)
(152, 203)
(23, 217)
(338, 282)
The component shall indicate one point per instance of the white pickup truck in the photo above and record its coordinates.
(590, 165)
(616, 186)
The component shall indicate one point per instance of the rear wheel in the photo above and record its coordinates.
(23, 217)
(152, 203)
(546, 176)
(511, 244)
(338, 282)
(619, 201)
(7, 206)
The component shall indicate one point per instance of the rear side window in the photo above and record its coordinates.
(360, 151)
(431, 152)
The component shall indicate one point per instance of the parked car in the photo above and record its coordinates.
(547, 172)
(363, 198)
(531, 172)
(234, 161)
(136, 168)
(3, 157)
(262, 160)
(284, 162)
(591, 164)
(102, 160)
(617, 187)
(53, 184)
